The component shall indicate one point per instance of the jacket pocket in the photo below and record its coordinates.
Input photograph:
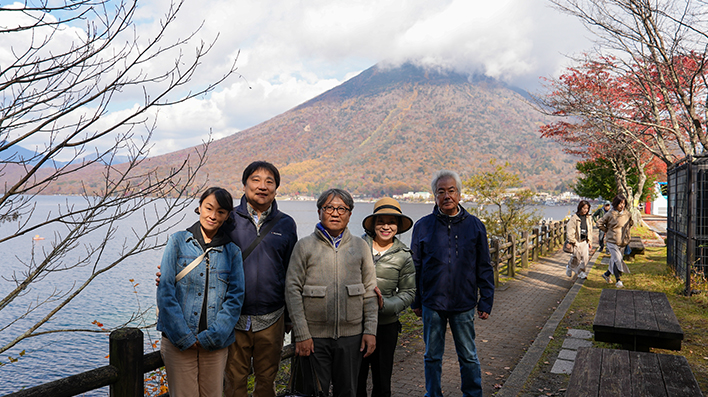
(355, 302)
(314, 299)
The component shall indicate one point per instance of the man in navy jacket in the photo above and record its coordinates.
(261, 327)
(453, 266)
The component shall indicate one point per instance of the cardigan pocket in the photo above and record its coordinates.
(315, 303)
(355, 302)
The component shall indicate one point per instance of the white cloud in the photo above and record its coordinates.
(292, 51)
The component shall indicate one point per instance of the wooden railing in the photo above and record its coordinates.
(125, 373)
(518, 250)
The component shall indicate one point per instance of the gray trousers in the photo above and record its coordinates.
(336, 361)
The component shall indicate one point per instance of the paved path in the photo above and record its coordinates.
(521, 308)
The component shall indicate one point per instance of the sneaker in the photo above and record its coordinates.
(619, 284)
(568, 272)
(606, 277)
(582, 275)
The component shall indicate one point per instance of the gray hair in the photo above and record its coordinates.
(342, 194)
(442, 174)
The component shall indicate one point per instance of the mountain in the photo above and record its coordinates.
(18, 155)
(386, 131)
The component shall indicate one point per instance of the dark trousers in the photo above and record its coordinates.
(337, 361)
(381, 362)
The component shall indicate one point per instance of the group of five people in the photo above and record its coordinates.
(238, 279)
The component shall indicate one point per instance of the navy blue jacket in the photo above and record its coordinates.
(452, 262)
(266, 266)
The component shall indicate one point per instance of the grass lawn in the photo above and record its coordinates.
(649, 272)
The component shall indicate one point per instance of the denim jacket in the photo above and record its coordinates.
(180, 303)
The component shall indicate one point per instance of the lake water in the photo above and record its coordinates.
(111, 299)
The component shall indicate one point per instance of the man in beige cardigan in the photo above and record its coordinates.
(329, 291)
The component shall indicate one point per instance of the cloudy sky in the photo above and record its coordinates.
(291, 51)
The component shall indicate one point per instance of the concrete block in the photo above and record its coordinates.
(567, 354)
(575, 343)
(562, 367)
(580, 333)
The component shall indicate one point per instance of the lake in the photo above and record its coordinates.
(112, 299)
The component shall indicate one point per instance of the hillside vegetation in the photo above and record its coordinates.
(385, 132)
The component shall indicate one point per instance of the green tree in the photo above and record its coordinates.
(599, 180)
(502, 204)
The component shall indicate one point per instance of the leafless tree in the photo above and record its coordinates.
(64, 93)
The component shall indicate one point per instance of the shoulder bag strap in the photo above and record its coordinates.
(191, 266)
(265, 230)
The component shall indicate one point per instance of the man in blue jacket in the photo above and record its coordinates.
(452, 263)
(261, 327)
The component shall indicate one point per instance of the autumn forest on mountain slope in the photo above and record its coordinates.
(383, 132)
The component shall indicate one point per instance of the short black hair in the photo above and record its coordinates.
(222, 196)
(257, 165)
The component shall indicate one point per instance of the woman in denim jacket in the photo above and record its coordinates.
(197, 314)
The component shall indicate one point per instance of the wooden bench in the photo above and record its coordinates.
(609, 372)
(636, 247)
(637, 319)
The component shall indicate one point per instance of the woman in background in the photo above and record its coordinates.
(612, 224)
(578, 234)
(199, 299)
(395, 278)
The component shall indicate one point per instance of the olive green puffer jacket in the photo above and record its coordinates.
(395, 277)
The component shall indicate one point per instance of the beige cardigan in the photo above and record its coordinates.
(330, 291)
(573, 228)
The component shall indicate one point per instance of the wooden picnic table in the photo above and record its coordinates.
(637, 319)
(610, 372)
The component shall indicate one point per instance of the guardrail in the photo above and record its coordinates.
(125, 373)
(517, 251)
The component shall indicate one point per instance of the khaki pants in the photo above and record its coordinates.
(264, 347)
(195, 371)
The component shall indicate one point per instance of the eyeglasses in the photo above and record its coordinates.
(443, 192)
(340, 210)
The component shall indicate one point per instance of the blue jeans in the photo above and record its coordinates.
(462, 326)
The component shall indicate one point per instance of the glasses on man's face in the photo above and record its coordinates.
(443, 192)
(340, 210)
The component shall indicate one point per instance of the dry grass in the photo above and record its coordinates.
(649, 273)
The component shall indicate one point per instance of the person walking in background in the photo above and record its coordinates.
(612, 224)
(453, 266)
(330, 296)
(578, 234)
(596, 216)
(200, 299)
(395, 278)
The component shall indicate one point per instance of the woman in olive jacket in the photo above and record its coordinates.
(612, 224)
(395, 277)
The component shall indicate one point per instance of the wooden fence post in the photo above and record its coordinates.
(511, 263)
(543, 240)
(126, 354)
(525, 253)
(536, 243)
(495, 260)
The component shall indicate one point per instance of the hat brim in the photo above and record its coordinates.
(405, 223)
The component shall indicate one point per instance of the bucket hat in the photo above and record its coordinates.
(387, 206)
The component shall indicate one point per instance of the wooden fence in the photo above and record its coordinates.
(518, 250)
(127, 367)
(124, 375)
